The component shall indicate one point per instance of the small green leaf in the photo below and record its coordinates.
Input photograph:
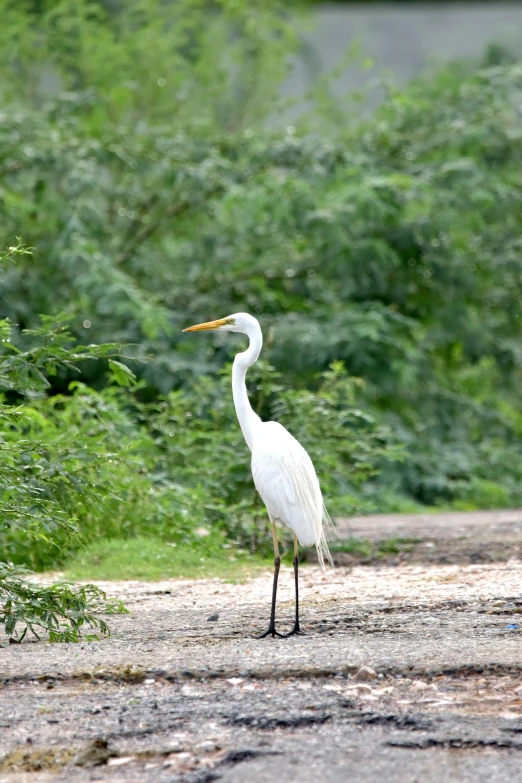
(121, 374)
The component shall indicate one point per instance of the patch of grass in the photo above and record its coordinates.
(353, 546)
(392, 546)
(361, 547)
(35, 759)
(153, 559)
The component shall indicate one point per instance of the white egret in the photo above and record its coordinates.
(283, 472)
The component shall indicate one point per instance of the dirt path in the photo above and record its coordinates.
(173, 696)
(470, 537)
(480, 525)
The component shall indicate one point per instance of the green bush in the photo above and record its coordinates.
(392, 247)
(104, 464)
(189, 65)
(40, 490)
(202, 448)
(155, 193)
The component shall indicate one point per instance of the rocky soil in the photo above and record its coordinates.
(409, 671)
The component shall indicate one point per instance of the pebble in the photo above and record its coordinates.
(419, 685)
(365, 674)
(174, 747)
(93, 754)
(359, 689)
(387, 691)
(206, 747)
(117, 762)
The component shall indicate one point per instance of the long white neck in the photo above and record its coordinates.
(248, 419)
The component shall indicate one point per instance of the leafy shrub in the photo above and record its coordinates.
(38, 492)
(108, 465)
(61, 611)
(185, 64)
(390, 245)
(91, 465)
(393, 250)
(202, 448)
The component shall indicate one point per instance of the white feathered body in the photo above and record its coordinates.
(283, 472)
(285, 478)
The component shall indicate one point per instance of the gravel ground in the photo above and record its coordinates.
(411, 672)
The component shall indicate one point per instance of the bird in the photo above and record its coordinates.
(283, 472)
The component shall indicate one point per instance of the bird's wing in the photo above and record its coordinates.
(286, 480)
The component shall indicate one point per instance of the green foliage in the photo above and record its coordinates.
(61, 611)
(189, 64)
(392, 247)
(48, 467)
(111, 466)
(40, 489)
(154, 194)
(196, 433)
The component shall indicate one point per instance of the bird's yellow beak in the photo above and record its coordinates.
(208, 325)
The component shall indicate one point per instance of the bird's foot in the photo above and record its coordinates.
(271, 632)
(296, 631)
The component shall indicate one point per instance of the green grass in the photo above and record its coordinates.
(363, 548)
(152, 559)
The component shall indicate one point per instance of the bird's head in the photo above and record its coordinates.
(238, 322)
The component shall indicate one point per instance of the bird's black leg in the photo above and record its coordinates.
(277, 562)
(271, 628)
(296, 630)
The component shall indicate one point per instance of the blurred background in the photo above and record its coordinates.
(399, 38)
(350, 173)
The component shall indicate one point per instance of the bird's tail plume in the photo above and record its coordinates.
(321, 543)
